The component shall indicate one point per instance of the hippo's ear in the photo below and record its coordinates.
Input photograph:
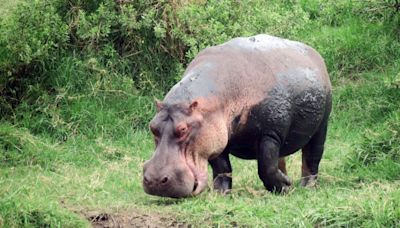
(159, 104)
(194, 105)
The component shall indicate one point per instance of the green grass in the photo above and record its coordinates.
(59, 186)
(7, 6)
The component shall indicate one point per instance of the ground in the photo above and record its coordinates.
(78, 191)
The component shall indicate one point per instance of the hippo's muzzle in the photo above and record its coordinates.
(172, 181)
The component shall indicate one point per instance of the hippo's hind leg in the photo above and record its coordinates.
(311, 157)
(268, 166)
(222, 173)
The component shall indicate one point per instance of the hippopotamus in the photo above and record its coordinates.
(259, 97)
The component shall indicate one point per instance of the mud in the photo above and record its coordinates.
(130, 219)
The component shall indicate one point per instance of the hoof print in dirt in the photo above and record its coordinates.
(131, 219)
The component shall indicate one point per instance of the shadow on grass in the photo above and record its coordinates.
(164, 201)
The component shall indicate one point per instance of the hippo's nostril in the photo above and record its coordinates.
(164, 180)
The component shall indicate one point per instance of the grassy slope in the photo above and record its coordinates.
(104, 175)
(69, 184)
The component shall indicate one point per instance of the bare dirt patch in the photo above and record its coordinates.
(130, 219)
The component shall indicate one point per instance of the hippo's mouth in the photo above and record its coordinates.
(200, 182)
(199, 176)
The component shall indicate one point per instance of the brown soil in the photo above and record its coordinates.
(130, 219)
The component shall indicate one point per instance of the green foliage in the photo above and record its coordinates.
(215, 22)
(120, 61)
(30, 38)
(102, 104)
(140, 49)
(127, 39)
(335, 13)
(33, 37)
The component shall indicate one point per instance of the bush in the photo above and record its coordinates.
(65, 63)
(215, 22)
(102, 51)
(31, 39)
(32, 35)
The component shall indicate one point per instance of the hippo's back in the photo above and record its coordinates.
(266, 43)
(245, 71)
(273, 57)
(249, 67)
(270, 84)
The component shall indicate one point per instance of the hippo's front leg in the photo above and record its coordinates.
(222, 173)
(268, 169)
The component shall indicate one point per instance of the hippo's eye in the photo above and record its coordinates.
(181, 130)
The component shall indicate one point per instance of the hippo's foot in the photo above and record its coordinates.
(278, 183)
(309, 181)
(223, 183)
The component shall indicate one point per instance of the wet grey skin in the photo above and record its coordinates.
(259, 97)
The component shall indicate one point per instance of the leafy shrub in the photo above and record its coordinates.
(29, 40)
(31, 35)
(67, 63)
(109, 51)
(215, 22)
(128, 38)
(95, 50)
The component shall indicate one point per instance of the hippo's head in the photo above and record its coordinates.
(186, 136)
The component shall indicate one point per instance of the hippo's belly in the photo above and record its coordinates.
(246, 147)
(294, 142)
